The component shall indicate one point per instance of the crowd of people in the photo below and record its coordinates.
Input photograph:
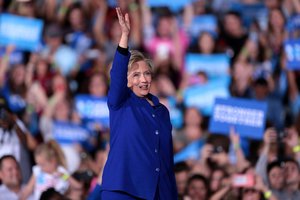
(54, 128)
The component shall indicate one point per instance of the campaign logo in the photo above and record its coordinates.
(24, 33)
(292, 51)
(93, 111)
(248, 117)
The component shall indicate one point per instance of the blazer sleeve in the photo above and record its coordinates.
(118, 90)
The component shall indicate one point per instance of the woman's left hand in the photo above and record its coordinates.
(123, 21)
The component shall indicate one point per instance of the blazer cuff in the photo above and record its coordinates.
(123, 51)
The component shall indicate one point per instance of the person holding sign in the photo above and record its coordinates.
(140, 161)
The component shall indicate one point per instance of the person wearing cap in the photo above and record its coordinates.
(140, 161)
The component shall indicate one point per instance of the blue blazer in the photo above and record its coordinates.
(140, 160)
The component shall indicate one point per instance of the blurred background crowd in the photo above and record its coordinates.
(54, 118)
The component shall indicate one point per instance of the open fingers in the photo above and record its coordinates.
(120, 15)
(127, 21)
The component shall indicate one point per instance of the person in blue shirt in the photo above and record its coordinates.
(140, 161)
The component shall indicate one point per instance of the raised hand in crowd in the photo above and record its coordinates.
(270, 137)
(201, 166)
(241, 162)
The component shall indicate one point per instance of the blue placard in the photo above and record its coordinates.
(24, 33)
(69, 133)
(251, 12)
(173, 5)
(92, 110)
(292, 51)
(176, 114)
(248, 117)
(190, 152)
(213, 65)
(207, 23)
(293, 23)
(203, 96)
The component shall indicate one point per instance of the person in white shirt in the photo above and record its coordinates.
(49, 172)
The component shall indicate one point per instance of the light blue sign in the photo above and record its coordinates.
(213, 65)
(292, 51)
(250, 12)
(248, 117)
(93, 110)
(65, 59)
(190, 152)
(173, 5)
(175, 113)
(69, 133)
(207, 23)
(203, 96)
(24, 33)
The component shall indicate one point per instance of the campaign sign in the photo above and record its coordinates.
(292, 51)
(248, 117)
(250, 12)
(69, 133)
(213, 65)
(92, 109)
(202, 23)
(293, 23)
(176, 114)
(203, 96)
(24, 33)
(190, 152)
(173, 5)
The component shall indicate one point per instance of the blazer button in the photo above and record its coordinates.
(157, 169)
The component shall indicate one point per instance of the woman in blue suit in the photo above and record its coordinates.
(140, 161)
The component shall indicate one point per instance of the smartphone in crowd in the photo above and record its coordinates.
(243, 180)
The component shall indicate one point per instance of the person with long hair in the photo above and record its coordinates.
(140, 161)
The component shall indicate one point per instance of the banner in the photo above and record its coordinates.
(248, 117)
(93, 110)
(203, 96)
(173, 5)
(69, 133)
(207, 23)
(292, 51)
(24, 33)
(251, 12)
(176, 114)
(190, 152)
(293, 23)
(213, 65)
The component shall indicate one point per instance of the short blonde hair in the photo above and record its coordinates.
(137, 56)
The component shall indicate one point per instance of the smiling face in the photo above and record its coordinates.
(139, 78)
(10, 173)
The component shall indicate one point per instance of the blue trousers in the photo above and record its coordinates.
(120, 195)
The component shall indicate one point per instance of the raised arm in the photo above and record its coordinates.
(125, 28)
(118, 85)
(270, 137)
(4, 63)
(28, 189)
(242, 163)
(98, 28)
